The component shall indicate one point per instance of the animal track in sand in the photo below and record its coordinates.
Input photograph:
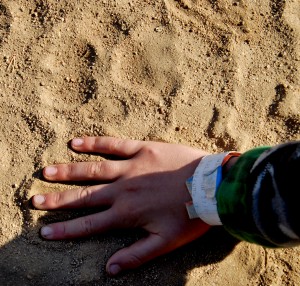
(213, 36)
(207, 22)
(146, 64)
(70, 78)
(69, 57)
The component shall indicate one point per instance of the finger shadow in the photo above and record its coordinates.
(170, 269)
(30, 260)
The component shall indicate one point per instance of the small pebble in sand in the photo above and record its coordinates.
(158, 29)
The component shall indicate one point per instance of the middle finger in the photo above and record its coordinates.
(93, 196)
(83, 171)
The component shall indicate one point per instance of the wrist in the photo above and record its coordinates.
(204, 184)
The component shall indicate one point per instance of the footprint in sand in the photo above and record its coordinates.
(145, 63)
(70, 78)
(68, 58)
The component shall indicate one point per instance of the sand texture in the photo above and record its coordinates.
(213, 74)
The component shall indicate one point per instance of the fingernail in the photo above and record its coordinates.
(50, 171)
(39, 199)
(114, 269)
(46, 231)
(77, 142)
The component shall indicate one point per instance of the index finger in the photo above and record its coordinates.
(107, 145)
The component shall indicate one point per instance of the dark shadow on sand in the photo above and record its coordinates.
(30, 260)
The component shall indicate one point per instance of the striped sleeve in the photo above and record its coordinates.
(258, 200)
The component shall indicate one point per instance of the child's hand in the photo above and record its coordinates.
(145, 190)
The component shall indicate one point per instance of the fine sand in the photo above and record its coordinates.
(214, 74)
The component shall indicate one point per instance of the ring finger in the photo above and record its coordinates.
(80, 227)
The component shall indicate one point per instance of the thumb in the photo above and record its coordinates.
(137, 254)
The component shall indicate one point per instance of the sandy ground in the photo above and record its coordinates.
(214, 74)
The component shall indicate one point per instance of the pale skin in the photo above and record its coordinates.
(145, 190)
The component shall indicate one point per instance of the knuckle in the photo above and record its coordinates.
(129, 211)
(87, 225)
(114, 144)
(70, 169)
(63, 229)
(134, 260)
(150, 151)
(95, 143)
(94, 169)
(128, 214)
(85, 196)
(56, 199)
